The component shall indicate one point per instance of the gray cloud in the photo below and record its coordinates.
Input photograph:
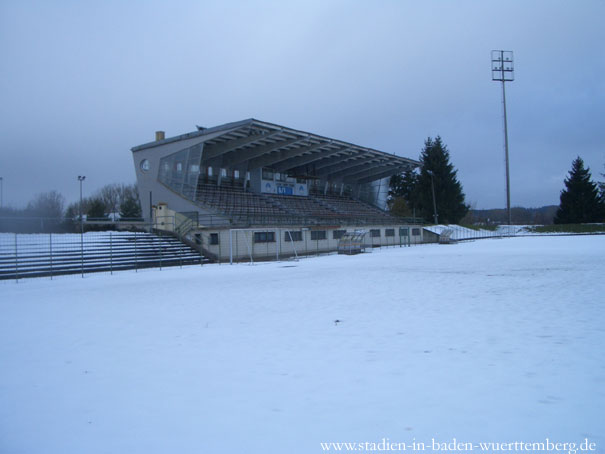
(83, 82)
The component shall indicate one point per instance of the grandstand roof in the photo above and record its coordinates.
(254, 144)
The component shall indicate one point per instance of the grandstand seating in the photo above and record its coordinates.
(244, 207)
(351, 208)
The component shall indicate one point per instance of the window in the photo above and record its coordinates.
(267, 174)
(389, 232)
(318, 234)
(293, 236)
(194, 168)
(416, 232)
(404, 231)
(145, 166)
(236, 174)
(337, 234)
(179, 166)
(375, 233)
(223, 172)
(214, 238)
(264, 237)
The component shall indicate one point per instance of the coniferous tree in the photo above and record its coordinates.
(602, 188)
(580, 200)
(402, 196)
(96, 210)
(437, 170)
(130, 209)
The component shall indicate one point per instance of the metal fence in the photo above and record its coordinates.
(25, 255)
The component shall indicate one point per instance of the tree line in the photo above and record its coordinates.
(47, 211)
(434, 193)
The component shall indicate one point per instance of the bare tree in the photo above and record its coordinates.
(114, 195)
(47, 204)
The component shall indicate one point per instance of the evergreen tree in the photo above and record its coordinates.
(437, 170)
(96, 209)
(580, 200)
(602, 188)
(402, 196)
(130, 209)
(403, 185)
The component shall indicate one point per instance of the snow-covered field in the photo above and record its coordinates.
(485, 341)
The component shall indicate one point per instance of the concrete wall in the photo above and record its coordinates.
(147, 181)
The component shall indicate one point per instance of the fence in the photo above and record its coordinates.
(52, 254)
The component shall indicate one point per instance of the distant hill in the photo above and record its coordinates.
(542, 216)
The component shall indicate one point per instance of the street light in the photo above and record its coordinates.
(1, 192)
(81, 179)
(435, 215)
(503, 71)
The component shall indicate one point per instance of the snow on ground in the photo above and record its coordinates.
(458, 232)
(491, 340)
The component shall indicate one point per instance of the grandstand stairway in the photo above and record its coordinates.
(100, 252)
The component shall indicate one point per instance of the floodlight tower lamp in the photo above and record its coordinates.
(503, 71)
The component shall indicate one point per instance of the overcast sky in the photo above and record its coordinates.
(82, 82)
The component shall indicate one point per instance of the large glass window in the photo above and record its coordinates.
(180, 171)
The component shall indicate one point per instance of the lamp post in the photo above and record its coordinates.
(435, 215)
(503, 71)
(1, 191)
(81, 178)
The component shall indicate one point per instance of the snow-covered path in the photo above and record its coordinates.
(493, 340)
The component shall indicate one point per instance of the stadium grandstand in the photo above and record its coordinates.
(253, 189)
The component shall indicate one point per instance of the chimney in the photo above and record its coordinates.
(159, 135)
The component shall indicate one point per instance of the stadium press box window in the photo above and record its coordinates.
(375, 233)
(389, 232)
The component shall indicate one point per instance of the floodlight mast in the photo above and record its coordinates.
(503, 71)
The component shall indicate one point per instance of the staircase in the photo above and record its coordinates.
(41, 255)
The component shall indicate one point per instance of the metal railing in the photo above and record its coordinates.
(25, 255)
